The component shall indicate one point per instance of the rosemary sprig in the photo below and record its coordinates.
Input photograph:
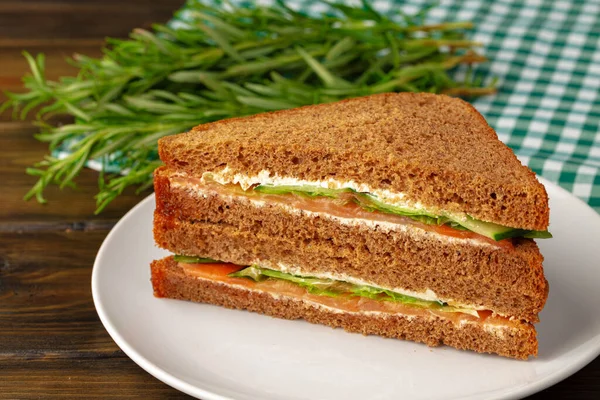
(214, 62)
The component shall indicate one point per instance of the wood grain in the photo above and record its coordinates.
(115, 377)
(66, 208)
(45, 298)
(52, 344)
(49, 22)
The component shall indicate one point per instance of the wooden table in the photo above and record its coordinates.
(52, 344)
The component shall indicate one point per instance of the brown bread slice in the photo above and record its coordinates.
(510, 282)
(436, 149)
(170, 281)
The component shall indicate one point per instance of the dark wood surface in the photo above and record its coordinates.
(52, 344)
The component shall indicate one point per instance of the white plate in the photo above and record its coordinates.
(216, 353)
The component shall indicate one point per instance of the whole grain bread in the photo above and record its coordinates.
(509, 282)
(170, 281)
(436, 149)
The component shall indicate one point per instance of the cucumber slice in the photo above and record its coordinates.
(499, 232)
(487, 229)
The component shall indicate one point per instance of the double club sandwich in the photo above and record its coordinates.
(400, 215)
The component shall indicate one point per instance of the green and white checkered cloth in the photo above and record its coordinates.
(546, 56)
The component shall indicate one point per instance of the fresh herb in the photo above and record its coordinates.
(214, 62)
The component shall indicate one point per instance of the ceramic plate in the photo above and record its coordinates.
(215, 353)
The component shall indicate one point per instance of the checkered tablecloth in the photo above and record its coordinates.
(546, 56)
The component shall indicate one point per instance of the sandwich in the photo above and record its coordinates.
(399, 215)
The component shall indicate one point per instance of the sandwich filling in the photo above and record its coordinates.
(425, 295)
(351, 204)
(336, 295)
(369, 199)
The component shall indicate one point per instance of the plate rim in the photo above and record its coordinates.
(196, 391)
(123, 344)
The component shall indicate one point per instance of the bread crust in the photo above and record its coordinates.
(509, 282)
(436, 149)
(169, 280)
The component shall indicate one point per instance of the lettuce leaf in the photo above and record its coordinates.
(324, 287)
(370, 203)
(195, 260)
(376, 294)
(333, 288)
(537, 235)
(305, 190)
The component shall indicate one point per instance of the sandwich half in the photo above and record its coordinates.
(400, 215)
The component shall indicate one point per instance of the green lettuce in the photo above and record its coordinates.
(324, 287)
(334, 288)
(195, 260)
(306, 191)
